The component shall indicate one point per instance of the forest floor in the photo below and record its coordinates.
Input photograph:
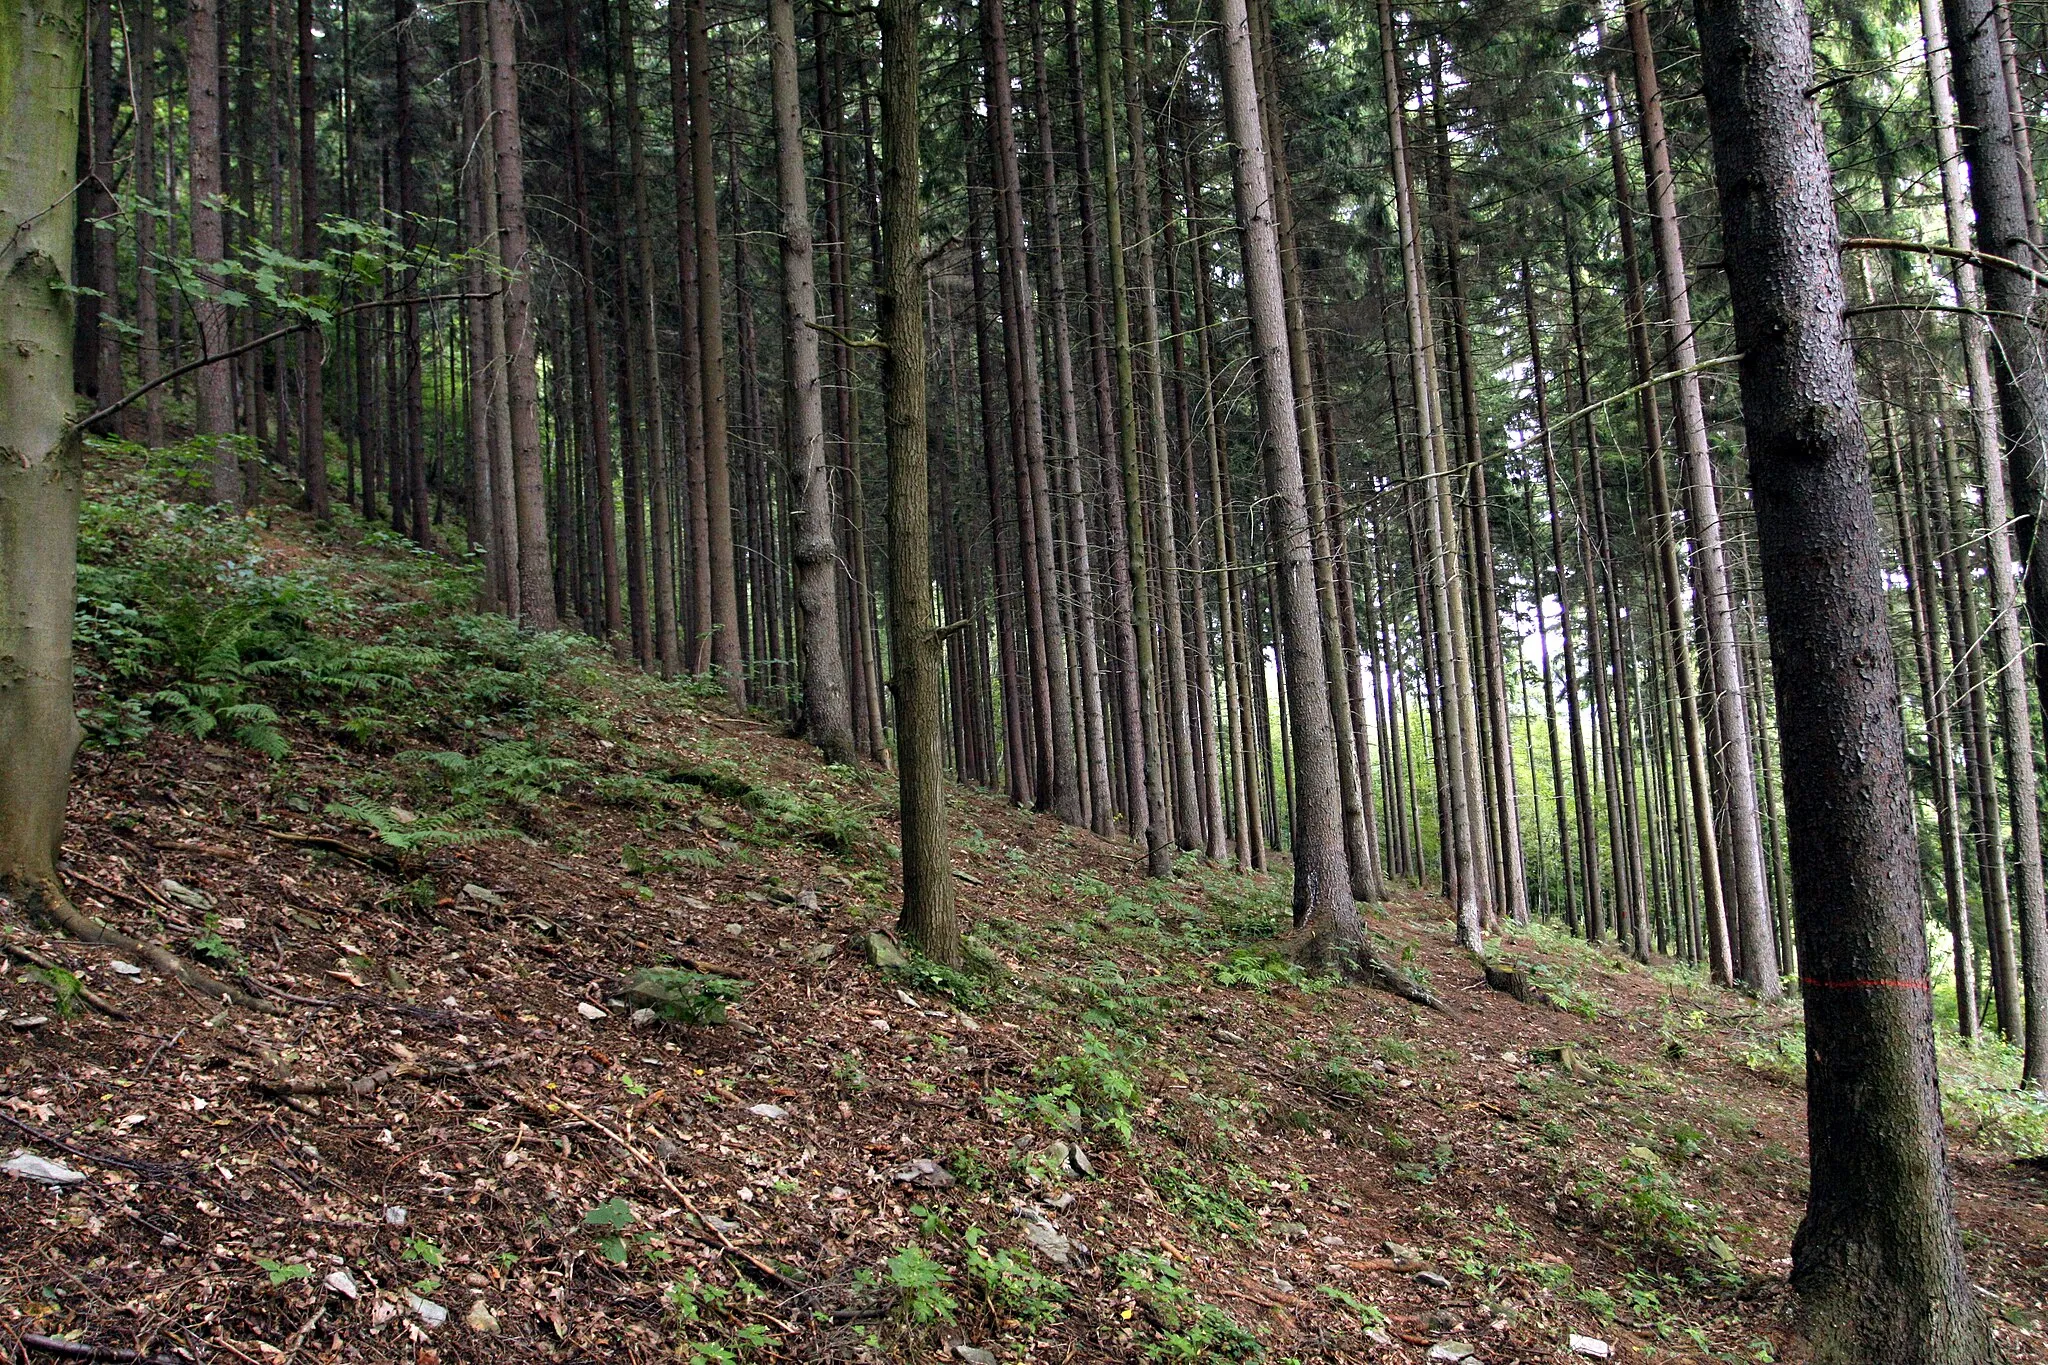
(1133, 1130)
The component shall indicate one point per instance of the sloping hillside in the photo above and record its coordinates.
(586, 1041)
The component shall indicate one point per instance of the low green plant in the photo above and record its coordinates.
(919, 1284)
(1206, 1208)
(67, 992)
(618, 1237)
(1010, 1282)
(281, 1272)
(681, 996)
(1094, 1083)
(1188, 1329)
(440, 829)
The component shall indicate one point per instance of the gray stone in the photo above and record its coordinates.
(1047, 1240)
(1450, 1350)
(882, 952)
(480, 1318)
(186, 896)
(923, 1172)
(431, 1313)
(1078, 1162)
(972, 1355)
(483, 895)
(395, 1215)
(1591, 1347)
(774, 1113)
(1431, 1279)
(342, 1283)
(643, 1018)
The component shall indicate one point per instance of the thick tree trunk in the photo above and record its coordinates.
(928, 917)
(828, 718)
(1878, 1260)
(42, 50)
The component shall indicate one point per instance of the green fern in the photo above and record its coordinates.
(439, 830)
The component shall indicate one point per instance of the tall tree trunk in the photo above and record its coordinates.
(536, 585)
(1145, 748)
(1735, 764)
(828, 717)
(42, 51)
(1324, 912)
(142, 58)
(928, 917)
(1063, 797)
(214, 415)
(1464, 840)
(1999, 192)
(667, 650)
(1877, 1260)
(725, 605)
(312, 408)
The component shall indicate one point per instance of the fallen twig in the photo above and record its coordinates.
(79, 1350)
(153, 1169)
(370, 1082)
(36, 959)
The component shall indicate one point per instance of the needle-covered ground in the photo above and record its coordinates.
(589, 1043)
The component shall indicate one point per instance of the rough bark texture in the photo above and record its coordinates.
(42, 50)
(828, 716)
(1998, 190)
(928, 917)
(1878, 1261)
(725, 602)
(214, 413)
(1324, 910)
(536, 584)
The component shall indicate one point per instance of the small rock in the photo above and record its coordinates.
(883, 953)
(1063, 1200)
(125, 968)
(431, 1313)
(807, 899)
(1045, 1239)
(973, 1355)
(736, 930)
(1431, 1279)
(1590, 1346)
(907, 998)
(821, 952)
(29, 1166)
(1290, 1231)
(186, 896)
(1079, 1164)
(29, 1021)
(395, 1215)
(342, 1283)
(1400, 1252)
(383, 1311)
(774, 1113)
(590, 1011)
(1224, 1035)
(923, 1172)
(643, 1018)
(1450, 1350)
(483, 895)
(480, 1318)
(1378, 1336)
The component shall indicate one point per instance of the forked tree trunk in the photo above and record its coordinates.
(828, 716)
(928, 917)
(1877, 1260)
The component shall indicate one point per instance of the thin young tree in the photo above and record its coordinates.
(1878, 1258)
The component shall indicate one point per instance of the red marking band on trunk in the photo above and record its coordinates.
(1853, 985)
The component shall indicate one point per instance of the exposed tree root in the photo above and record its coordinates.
(43, 898)
(36, 959)
(1356, 961)
(370, 1082)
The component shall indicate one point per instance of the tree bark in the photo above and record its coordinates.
(1877, 1260)
(928, 918)
(214, 414)
(1998, 190)
(536, 584)
(725, 607)
(828, 717)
